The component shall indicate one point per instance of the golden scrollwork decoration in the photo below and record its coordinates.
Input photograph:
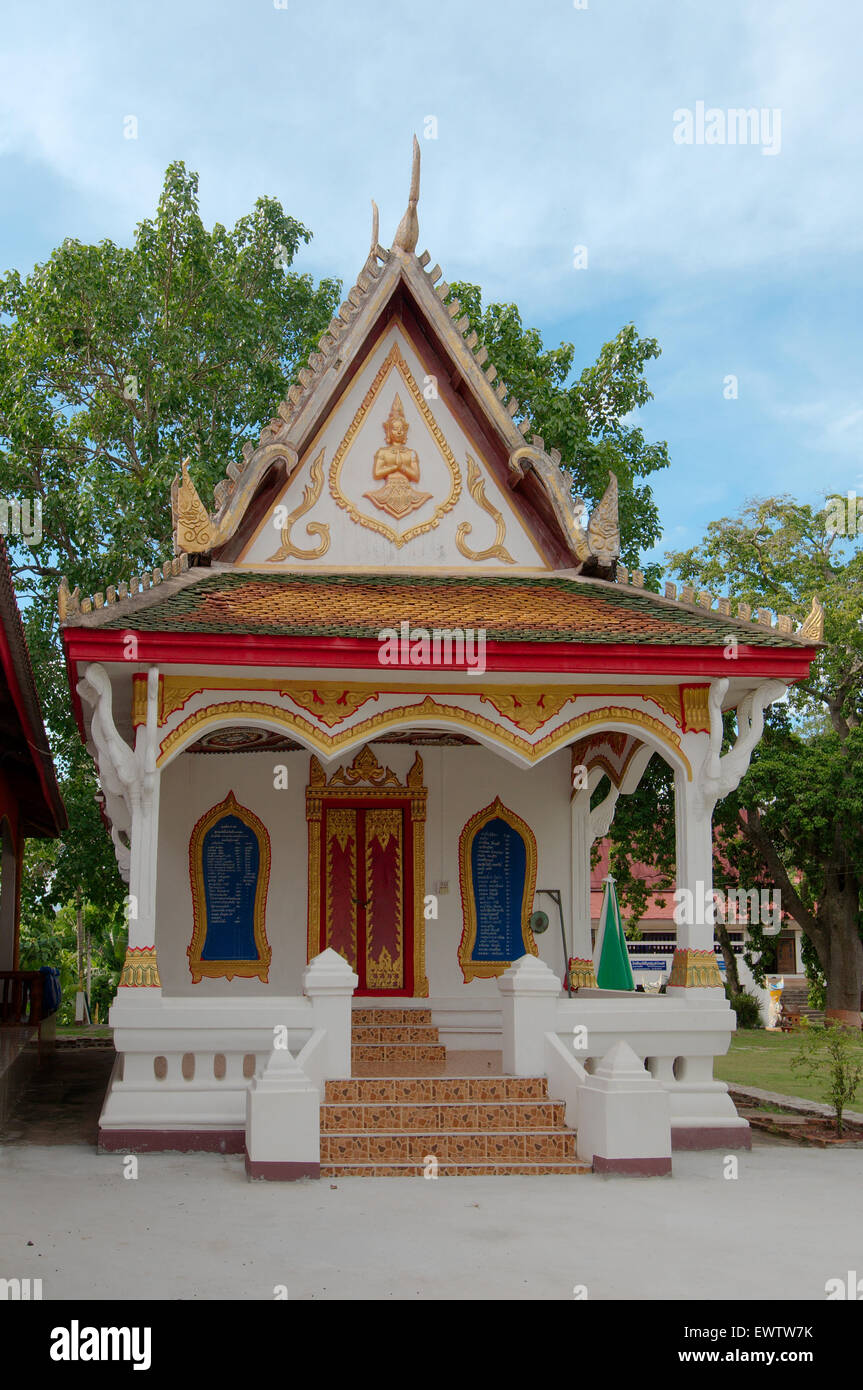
(311, 493)
(691, 969)
(497, 550)
(528, 707)
(329, 704)
(140, 968)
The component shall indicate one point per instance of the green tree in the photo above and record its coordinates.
(795, 823)
(586, 419)
(116, 363)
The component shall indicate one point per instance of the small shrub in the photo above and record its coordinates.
(747, 1009)
(832, 1056)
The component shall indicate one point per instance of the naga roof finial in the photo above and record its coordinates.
(407, 236)
(375, 228)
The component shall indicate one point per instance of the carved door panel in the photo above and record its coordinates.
(367, 872)
(367, 892)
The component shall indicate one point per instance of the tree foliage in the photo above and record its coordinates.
(586, 419)
(116, 363)
(796, 820)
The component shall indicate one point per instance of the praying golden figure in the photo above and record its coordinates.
(399, 466)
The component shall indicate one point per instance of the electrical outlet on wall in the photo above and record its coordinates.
(441, 887)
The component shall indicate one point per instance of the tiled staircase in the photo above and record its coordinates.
(394, 1035)
(413, 1125)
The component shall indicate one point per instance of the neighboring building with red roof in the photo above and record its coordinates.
(652, 951)
(30, 806)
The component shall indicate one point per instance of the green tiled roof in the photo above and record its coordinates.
(517, 608)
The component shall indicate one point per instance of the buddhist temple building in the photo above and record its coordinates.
(348, 738)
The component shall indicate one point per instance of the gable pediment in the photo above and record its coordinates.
(393, 478)
(456, 484)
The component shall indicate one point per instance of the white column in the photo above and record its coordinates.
(529, 991)
(718, 774)
(581, 842)
(694, 834)
(130, 781)
(329, 982)
(144, 863)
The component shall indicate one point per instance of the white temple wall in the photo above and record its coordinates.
(191, 785)
(460, 782)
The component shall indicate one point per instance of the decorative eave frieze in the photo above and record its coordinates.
(809, 633)
(71, 607)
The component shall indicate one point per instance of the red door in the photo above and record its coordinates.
(367, 891)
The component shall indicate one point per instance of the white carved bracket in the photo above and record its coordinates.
(602, 815)
(720, 774)
(127, 776)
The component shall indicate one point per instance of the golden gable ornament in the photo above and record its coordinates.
(399, 466)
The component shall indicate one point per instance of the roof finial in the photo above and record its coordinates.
(407, 236)
(375, 228)
(813, 624)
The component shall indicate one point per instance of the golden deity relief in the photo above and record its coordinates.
(399, 466)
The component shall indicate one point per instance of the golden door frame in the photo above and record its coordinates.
(227, 969)
(484, 970)
(366, 777)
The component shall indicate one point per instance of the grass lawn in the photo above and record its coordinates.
(762, 1059)
(83, 1030)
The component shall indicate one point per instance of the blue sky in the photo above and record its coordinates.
(555, 129)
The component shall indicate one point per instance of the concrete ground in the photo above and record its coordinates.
(193, 1227)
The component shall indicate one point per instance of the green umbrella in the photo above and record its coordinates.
(611, 957)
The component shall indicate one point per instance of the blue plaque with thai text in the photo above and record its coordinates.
(498, 862)
(231, 864)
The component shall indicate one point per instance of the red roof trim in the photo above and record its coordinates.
(576, 658)
(26, 701)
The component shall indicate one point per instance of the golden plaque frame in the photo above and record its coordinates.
(487, 969)
(227, 969)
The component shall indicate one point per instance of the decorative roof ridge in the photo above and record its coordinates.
(809, 633)
(131, 596)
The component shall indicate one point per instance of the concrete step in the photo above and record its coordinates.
(456, 1170)
(491, 1146)
(422, 1090)
(392, 1017)
(399, 1033)
(447, 1117)
(398, 1052)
